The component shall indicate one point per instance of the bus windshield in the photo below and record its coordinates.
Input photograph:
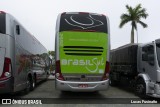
(83, 22)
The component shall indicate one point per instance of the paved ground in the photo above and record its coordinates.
(75, 99)
(47, 90)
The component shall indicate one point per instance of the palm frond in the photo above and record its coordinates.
(129, 9)
(137, 8)
(143, 24)
(142, 13)
(123, 22)
(125, 16)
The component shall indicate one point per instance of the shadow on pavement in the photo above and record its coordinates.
(66, 94)
(19, 94)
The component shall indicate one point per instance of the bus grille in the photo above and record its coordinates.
(83, 50)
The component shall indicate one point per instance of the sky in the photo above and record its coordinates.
(39, 17)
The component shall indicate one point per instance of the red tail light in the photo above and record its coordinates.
(58, 71)
(6, 69)
(2, 12)
(103, 15)
(63, 13)
(106, 73)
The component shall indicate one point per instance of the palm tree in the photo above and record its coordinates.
(134, 16)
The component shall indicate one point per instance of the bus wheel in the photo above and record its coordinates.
(140, 88)
(30, 83)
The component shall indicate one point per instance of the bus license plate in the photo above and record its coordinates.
(83, 85)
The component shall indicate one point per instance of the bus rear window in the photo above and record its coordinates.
(2, 23)
(83, 22)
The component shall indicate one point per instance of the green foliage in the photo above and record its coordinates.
(52, 53)
(134, 15)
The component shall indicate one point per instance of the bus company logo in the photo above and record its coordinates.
(21, 101)
(6, 101)
(85, 62)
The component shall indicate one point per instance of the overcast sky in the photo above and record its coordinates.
(39, 17)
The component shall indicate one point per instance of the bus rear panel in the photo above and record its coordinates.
(82, 52)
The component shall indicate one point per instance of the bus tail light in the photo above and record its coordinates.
(58, 71)
(2, 12)
(106, 73)
(6, 69)
(63, 13)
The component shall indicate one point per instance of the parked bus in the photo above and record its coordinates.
(23, 59)
(82, 47)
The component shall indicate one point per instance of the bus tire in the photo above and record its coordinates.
(140, 88)
(30, 83)
(33, 83)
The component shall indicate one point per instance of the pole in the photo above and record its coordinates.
(137, 35)
(137, 32)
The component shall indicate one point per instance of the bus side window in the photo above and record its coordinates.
(18, 29)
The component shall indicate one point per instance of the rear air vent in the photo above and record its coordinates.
(83, 50)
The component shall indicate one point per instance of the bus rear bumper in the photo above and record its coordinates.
(82, 86)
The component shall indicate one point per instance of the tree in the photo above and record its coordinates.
(52, 65)
(52, 53)
(134, 16)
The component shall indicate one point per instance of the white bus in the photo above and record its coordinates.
(82, 48)
(23, 59)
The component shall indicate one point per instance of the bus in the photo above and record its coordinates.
(23, 59)
(82, 47)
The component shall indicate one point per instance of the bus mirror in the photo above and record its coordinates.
(144, 57)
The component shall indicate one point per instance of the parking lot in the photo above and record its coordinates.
(46, 92)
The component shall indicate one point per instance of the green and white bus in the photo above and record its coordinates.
(82, 47)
